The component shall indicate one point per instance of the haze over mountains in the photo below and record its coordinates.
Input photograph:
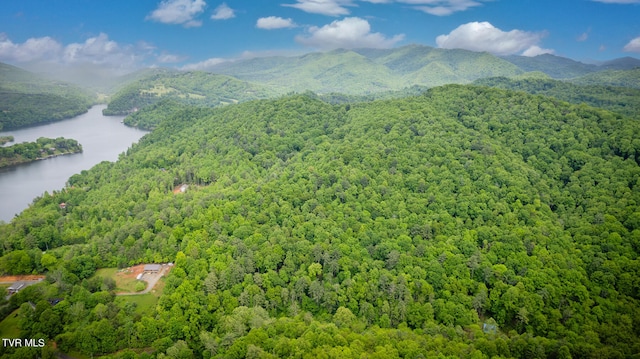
(370, 72)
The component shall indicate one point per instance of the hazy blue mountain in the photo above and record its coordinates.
(623, 63)
(364, 71)
(552, 65)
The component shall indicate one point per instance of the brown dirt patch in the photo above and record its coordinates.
(131, 272)
(18, 278)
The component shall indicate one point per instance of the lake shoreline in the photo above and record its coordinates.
(103, 138)
(40, 158)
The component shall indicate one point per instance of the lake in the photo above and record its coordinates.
(102, 138)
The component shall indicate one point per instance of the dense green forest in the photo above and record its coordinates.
(40, 149)
(193, 88)
(27, 99)
(624, 100)
(621, 78)
(464, 222)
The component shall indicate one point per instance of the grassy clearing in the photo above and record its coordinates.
(124, 283)
(158, 90)
(145, 302)
(9, 326)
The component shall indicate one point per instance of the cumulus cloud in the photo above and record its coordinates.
(482, 36)
(170, 58)
(96, 50)
(44, 53)
(584, 36)
(178, 12)
(274, 22)
(633, 45)
(442, 7)
(223, 12)
(434, 7)
(536, 50)
(204, 65)
(31, 50)
(323, 7)
(349, 33)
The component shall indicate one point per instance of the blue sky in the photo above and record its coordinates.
(195, 34)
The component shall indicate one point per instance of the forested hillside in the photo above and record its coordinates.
(27, 99)
(193, 88)
(552, 65)
(624, 100)
(465, 222)
(622, 78)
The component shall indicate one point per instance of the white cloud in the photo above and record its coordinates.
(584, 36)
(97, 53)
(434, 7)
(324, 7)
(633, 45)
(97, 50)
(169, 58)
(349, 33)
(223, 12)
(274, 22)
(181, 12)
(536, 50)
(204, 65)
(482, 36)
(33, 49)
(442, 7)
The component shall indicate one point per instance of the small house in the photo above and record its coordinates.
(489, 328)
(152, 268)
(16, 287)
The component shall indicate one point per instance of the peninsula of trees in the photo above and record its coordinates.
(40, 149)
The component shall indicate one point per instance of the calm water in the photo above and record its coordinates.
(103, 139)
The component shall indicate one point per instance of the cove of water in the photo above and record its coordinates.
(102, 138)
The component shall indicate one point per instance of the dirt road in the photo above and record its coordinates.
(151, 279)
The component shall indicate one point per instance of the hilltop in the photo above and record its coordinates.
(191, 88)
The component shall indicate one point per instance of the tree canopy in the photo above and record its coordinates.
(393, 228)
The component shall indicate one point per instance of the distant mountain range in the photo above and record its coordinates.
(368, 72)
